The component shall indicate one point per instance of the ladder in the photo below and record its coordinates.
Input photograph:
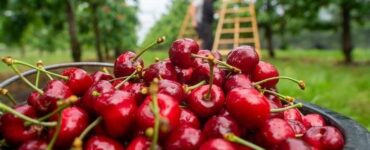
(237, 26)
(186, 29)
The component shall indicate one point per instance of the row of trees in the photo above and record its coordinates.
(106, 25)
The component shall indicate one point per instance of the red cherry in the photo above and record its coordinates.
(89, 99)
(326, 137)
(161, 69)
(218, 126)
(244, 57)
(168, 108)
(248, 107)
(13, 129)
(99, 75)
(33, 145)
(78, 80)
(237, 81)
(265, 70)
(139, 143)
(171, 88)
(118, 111)
(33, 98)
(293, 144)
(184, 75)
(202, 106)
(125, 65)
(202, 73)
(275, 131)
(180, 52)
(188, 118)
(184, 138)
(54, 90)
(134, 88)
(217, 144)
(274, 105)
(205, 53)
(74, 121)
(297, 126)
(102, 143)
(313, 120)
(292, 114)
(275, 99)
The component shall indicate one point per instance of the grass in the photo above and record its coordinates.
(341, 88)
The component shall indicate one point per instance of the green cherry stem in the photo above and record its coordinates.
(105, 70)
(42, 70)
(153, 89)
(298, 105)
(235, 139)
(10, 97)
(78, 141)
(26, 118)
(158, 41)
(56, 132)
(300, 83)
(216, 61)
(211, 62)
(37, 78)
(190, 88)
(126, 79)
(15, 69)
(287, 99)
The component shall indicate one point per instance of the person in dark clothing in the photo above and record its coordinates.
(202, 12)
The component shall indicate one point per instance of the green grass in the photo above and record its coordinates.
(341, 88)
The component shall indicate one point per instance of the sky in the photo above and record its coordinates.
(149, 12)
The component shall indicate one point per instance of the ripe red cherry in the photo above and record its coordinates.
(188, 118)
(33, 98)
(326, 137)
(217, 144)
(99, 75)
(171, 88)
(202, 73)
(74, 121)
(180, 52)
(297, 126)
(125, 65)
(205, 53)
(160, 69)
(244, 57)
(292, 114)
(13, 129)
(293, 144)
(54, 90)
(168, 108)
(134, 88)
(265, 70)
(248, 107)
(313, 120)
(184, 75)
(139, 143)
(184, 138)
(33, 145)
(89, 99)
(274, 131)
(202, 106)
(274, 105)
(218, 126)
(78, 80)
(98, 142)
(237, 81)
(117, 109)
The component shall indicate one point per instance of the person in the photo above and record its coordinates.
(202, 18)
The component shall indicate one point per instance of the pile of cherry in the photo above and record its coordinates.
(193, 100)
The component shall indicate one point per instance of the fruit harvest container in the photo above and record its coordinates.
(356, 136)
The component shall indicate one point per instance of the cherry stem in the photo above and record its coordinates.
(189, 88)
(105, 70)
(10, 97)
(300, 83)
(153, 89)
(298, 105)
(126, 79)
(37, 78)
(78, 141)
(42, 70)
(235, 139)
(15, 69)
(284, 98)
(158, 41)
(211, 62)
(216, 61)
(56, 132)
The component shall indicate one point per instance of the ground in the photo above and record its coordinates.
(330, 84)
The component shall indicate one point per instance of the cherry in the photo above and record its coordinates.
(248, 107)
(297, 126)
(275, 105)
(274, 98)
(188, 118)
(169, 111)
(326, 137)
(265, 70)
(140, 143)
(313, 120)
(274, 131)
(293, 144)
(33, 145)
(205, 106)
(73, 121)
(184, 75)
(99, 75)
(237, 81)
(161, 69)
(184, 138)
(203, 72)
(92, 94)
(99, 142)
(125, 65)
(171, 88)
(217, 144)
(135, 89)
(244, 57)
(205, 53)
(78, 80)
(180, 52)
(118, 111)
(218, 126)
(13, 129)
(292, 114)
(54, 90)
(33, 98)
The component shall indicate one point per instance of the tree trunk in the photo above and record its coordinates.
(22, 50)
(106, 50)
(75, 44)
(117, 52)
(96, 31)
(346, 32)
(268, 32)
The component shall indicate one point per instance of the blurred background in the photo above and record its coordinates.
(326, 43)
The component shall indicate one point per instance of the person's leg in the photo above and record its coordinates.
(208, 36)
